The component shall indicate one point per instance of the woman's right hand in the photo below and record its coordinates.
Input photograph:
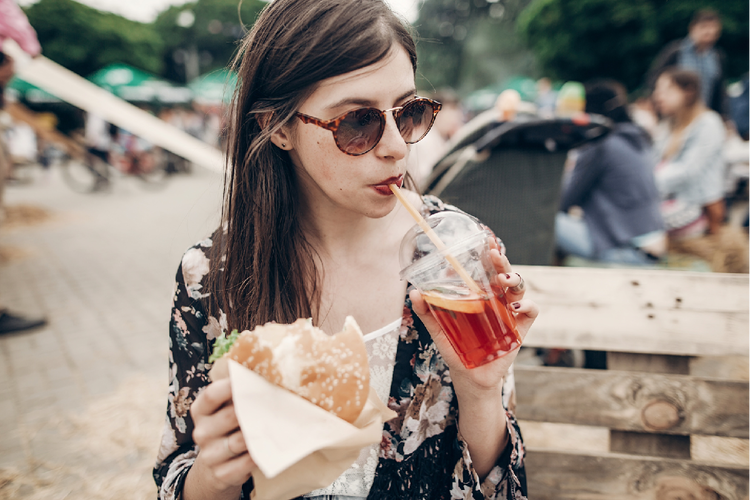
(223, 464)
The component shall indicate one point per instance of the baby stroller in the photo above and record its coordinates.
(509, 175)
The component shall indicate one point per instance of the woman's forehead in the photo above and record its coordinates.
(382, 82)
(664, 81)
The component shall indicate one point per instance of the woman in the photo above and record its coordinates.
(613, 182)
(690, 173)
(310, 229)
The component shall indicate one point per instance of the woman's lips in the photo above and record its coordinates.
(383, 187)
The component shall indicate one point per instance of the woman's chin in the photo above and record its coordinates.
(379, 208)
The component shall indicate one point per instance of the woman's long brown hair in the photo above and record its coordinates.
(263, 267)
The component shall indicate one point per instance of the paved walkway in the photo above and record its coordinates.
(82, 400)
(101, 269)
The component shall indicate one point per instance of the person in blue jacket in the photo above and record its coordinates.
(613, 184)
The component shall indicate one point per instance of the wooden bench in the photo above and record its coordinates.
(668, 419)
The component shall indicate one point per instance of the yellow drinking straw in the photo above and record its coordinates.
(436, 240)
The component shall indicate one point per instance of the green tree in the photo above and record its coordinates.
(207, 31)
(583, 39)
(84, 40)
(469, 44)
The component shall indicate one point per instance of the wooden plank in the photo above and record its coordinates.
(661, 414)
(566, 437)
(631, 401)
(648, 363)
(646, 311)
(573, 438)
(719, 450)
(555, 475)
(726, 367)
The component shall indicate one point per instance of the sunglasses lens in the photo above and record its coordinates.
(415, 120)
(359, 131)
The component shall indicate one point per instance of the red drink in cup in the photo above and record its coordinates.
(479, 324)
(480, 328)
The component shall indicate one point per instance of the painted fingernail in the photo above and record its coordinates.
(507, 276)
(516, 305)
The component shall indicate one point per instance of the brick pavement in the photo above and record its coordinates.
(101, 269)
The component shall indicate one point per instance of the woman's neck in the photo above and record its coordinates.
(331, 231)
(336, 231)
(685, 117)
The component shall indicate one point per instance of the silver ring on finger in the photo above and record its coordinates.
(229, 450)
(520, 287)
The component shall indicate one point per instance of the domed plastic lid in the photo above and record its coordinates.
(457, 231)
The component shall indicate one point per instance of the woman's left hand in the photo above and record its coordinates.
(489, 376)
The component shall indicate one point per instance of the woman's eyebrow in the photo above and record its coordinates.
(410, 93)
(351, 100)
(360, 101)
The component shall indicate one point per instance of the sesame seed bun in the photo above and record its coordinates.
(330, 371)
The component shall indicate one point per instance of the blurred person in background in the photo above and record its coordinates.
(546, 98)
(212, 126)
(22, 145)
(46, 150)
(690, 169)
(193, 120)
(6, 123)
(736, 152)
(426, 153)
(643, 113)
(13, 25)
(98, 138)
(739, 106)
(612, 181)
(174, 163)
(737, 159)
(697, 52)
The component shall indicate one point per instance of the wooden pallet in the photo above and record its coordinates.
(668, 419)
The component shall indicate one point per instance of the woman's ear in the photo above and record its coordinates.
(281, 138)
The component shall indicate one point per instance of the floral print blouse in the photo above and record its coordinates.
(422, 454)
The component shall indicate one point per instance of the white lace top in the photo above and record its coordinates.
(381, 353)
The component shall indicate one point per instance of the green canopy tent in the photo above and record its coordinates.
(22, 90)
(134, 85)
(215, 87)
(525, 86)
(484, 98)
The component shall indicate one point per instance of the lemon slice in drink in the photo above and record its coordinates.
(467, 304)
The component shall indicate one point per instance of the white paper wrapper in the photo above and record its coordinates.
(298, 446)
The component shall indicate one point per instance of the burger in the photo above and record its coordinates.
(330, 371)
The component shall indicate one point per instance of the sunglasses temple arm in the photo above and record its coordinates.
(328, 125)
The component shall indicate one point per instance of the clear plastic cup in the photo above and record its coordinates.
(480, 326)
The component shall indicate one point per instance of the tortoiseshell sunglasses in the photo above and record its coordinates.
(358, 131)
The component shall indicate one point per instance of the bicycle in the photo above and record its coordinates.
(86, 171)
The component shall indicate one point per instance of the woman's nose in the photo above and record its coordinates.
(391, 144)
